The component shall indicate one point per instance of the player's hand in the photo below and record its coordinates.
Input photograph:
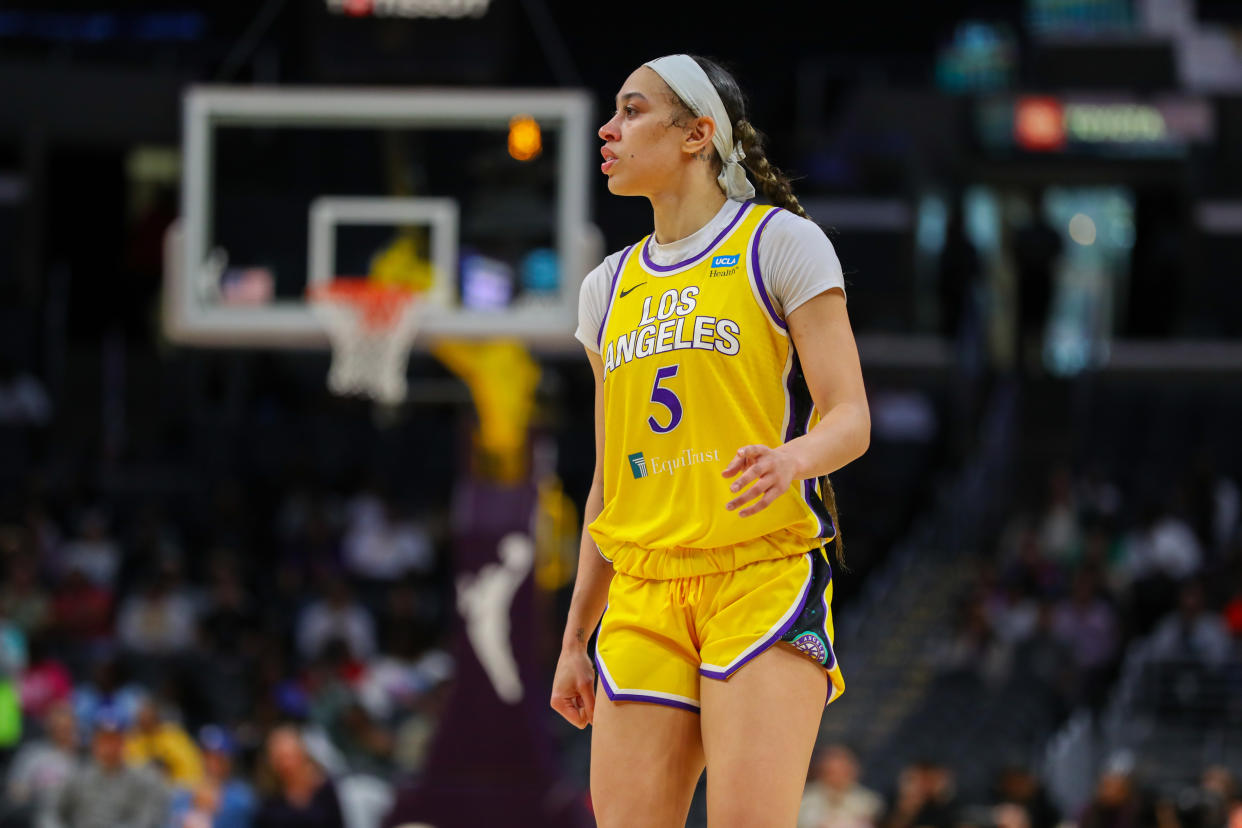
(771, 471)
(573, 687)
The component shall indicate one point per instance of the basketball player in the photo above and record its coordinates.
(727, 388)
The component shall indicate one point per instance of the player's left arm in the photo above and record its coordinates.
(825, 343)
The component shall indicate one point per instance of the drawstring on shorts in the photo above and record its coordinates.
(687, 591)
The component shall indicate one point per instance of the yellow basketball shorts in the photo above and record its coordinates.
(659, 638)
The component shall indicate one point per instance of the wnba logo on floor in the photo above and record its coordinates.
(724, 265)
(638, 465)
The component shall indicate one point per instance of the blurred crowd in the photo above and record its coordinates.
(925, 795)
(1092, 566)
(143, 686)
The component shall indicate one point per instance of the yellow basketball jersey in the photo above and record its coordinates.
(697, 364)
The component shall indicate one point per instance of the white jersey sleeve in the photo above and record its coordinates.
(798, 261)
(593, 301)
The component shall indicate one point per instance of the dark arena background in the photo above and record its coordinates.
(231, 597)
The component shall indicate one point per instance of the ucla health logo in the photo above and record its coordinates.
(724, 265)
(638, 465)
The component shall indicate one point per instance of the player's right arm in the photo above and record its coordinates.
(573, 687)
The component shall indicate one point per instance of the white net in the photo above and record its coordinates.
(371, 333)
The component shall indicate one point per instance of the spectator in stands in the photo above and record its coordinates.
(228, 615)
(230, 645)
(409, 667)
(1192, 633)
(422, 711)
(23, 399)
(45, 683)
(1214, 502)
(1060, 535)
(93, 552)
(43, 766)
(381, 547)
(1025, 567)
(926, 798)
(82, 612)
(1018, 786)
(834, 798)
(222, 799)
(105, 792)
(1045, 660)
(408, 607)
(328, 683)
(973, 646)
(22, 600)
(1116, 803)
(335, 616)
(1087, 624)
(1011, 609)
(1210, 804)
(160, 619)
(108, 690)
(307, 525)
(366, 745)
(1101, 551)
(1162, 545)
(41, 538)
(12, 664)
(1233, 607)
(305, 797)
(164, 744)
(1097, 495)
(1008, 815)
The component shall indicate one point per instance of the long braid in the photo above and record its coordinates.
(776, 188)
(775, 185)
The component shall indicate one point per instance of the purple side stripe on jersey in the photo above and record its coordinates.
(757, 274)
(795, 611)
(791, 399)
(635, 695)
(808, 486)
(809, 494)
(612, 293)
(662, 269)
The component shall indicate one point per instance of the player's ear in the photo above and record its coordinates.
(699, 133)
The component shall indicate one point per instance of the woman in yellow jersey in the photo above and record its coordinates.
(727, 389)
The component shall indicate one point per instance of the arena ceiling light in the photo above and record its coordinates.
(409, 8)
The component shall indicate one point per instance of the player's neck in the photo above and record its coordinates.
(683, 211)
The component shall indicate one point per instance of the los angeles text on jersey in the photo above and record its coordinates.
(669, 326)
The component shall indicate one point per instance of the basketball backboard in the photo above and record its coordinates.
(284, 188)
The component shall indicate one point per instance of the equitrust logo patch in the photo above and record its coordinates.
(725, 265)
(641, 466)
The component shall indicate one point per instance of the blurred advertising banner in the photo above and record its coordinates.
(1094, 125)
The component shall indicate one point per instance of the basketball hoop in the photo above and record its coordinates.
(371, 326)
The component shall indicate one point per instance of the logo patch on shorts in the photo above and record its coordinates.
(812, 646)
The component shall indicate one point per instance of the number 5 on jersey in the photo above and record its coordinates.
(666, 398)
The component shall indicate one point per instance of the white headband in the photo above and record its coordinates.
(690, 83)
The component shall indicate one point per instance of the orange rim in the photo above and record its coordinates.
(378, 304)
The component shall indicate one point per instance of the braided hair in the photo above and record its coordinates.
(776, 187)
